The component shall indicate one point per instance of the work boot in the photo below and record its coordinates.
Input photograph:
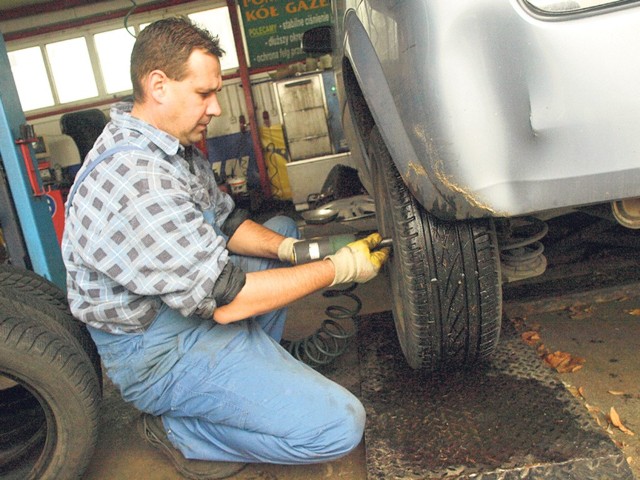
(152, 430)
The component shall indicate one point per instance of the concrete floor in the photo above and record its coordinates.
(607, 336)
(604, 330)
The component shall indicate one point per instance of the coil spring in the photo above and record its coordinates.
(520, 240)
(332, 338)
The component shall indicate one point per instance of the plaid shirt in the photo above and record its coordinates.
(136, 235)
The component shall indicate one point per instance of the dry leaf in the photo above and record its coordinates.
(557, 359)
(614, 417)
(563, 362)
(615, 392)
(635, 311)
(596, 413)
(593, 409)
(577, 392)
(626, 430)
(574, 391)
(616, 422)
(531, 337)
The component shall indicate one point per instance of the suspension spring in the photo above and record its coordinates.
(332, 338)
(521, 252)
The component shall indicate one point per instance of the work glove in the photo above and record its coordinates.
(285, 250)
(356, 262)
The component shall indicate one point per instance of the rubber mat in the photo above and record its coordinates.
(510, 419)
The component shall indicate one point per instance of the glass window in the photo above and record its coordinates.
(51, 74)
(30, 76)
(71, 70)
(218, 23)
(556, 6)
(114, 53)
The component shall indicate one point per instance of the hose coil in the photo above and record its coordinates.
(332, 338)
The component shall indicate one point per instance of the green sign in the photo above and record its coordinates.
(273, 28)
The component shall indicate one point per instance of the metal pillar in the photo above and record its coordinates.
(33, 212)
(248, 97)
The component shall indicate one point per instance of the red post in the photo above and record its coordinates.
(28, 163)
(248, 97)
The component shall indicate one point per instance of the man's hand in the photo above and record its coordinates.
(285, 250)
(356, 262)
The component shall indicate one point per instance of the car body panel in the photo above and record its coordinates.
(490, 110)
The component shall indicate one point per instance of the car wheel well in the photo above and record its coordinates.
(361, 113)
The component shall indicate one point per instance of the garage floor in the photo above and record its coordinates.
(597, 325)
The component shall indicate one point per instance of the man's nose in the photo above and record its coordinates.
(214, 108)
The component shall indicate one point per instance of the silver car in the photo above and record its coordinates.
(472, 122)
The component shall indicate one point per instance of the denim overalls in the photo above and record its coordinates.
(231, 392)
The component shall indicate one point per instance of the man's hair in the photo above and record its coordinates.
(166, 45)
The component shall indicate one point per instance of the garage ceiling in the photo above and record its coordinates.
(8, 4)
(12, 9)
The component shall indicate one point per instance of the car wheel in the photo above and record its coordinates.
(56, 374)
(445, 276)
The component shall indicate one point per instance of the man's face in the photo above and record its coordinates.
(193, 101)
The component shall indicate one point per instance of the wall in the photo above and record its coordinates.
(223, 134)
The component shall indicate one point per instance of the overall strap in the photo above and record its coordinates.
(109, 152)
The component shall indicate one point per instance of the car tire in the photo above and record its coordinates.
(27, 282)
(36, 292)
(22, 425)
(57, 373)
(444, 275)
(32, 305)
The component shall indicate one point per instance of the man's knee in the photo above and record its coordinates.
(339, 436)
(285, 226)
(352, 429)
(355, 422)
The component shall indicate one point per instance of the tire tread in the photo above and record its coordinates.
(451, 302)
(60, 373)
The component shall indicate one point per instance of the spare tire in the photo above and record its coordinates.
(34, 306)
(22, 425)
(36, 292)
(444, 275)
(28, 282)
(57, 373)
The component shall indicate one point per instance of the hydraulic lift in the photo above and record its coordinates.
(50, 377)
(31, 239)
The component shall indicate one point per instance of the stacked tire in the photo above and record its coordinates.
(50, 382)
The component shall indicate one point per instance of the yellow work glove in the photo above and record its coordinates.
(285, 250)
(356, 262)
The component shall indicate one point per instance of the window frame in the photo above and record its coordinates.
(47, 71)
(131, 23)
(98, 61)
(551, 15)
(51, 73)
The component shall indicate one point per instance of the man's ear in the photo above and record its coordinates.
(156, 85)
